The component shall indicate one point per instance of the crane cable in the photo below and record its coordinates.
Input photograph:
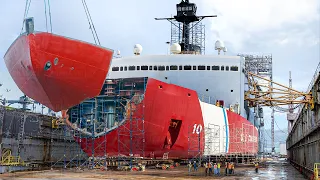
(49, 14)
(91, 25)
(26, 10)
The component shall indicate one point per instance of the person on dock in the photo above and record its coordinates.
(189, 166)
(232, 168)
(215, 169)
(226, 167)
(218, 168)
(229, 168)
(195, 167)
(210, 168)
(206, 167)
(256, 165)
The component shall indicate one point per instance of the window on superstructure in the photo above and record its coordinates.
(194, 67)
(155, 68)
(161, 68)
(144, 68)
(138, 68)
(215, 68)
(208, 67)
(222, 68)
(187, 67)
(173, 67)
(201, 67)
(227, 68)
(132, 68)
(121, 68)
(150, 67)
(180, 67)
(125, 68)
(167, 68)
(115, 68)
(234, 68)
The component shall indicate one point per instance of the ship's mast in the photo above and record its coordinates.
(186, 15)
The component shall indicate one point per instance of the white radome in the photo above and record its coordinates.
(175, 48)
(118, 52)
(219, 45)
(137, 49)
(225, 49)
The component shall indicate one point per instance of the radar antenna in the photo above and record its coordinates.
(186, 15)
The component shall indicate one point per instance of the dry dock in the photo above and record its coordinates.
(271, 170)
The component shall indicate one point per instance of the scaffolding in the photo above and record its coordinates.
(196, 38)
(195, 142)
(260, 64)
(130, 108)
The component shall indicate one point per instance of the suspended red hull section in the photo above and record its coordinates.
(56, 71)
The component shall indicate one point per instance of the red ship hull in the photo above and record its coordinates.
(56, 71)
(174, 123)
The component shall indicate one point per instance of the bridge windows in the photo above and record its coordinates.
(132, 68)
(187, 67)
(215, 68)
(176, 67)
(144, 68)
(234, 68)
(201, 67)
(161, 68)
(115, 68)
(173, 67)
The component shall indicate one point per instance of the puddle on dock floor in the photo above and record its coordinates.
(279, 170)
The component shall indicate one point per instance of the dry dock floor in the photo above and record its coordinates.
(273, 170)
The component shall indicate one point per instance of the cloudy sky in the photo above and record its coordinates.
(289, 29)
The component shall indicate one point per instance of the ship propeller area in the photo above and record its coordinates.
(265, 92)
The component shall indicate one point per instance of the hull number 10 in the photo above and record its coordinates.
(197, 128)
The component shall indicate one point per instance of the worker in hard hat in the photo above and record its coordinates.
(256, 165)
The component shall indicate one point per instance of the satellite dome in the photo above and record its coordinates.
(219, 45)
(225, 49)
(175, 48)
(118, 52)
(137, 49)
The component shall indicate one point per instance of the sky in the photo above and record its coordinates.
(288, 29)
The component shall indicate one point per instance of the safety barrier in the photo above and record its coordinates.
(316, 169)
(8, 160)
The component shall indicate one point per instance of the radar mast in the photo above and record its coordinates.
(186, 22)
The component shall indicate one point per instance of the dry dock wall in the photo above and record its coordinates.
(32, 137)
(303, 142)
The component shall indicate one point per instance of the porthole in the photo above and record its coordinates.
(55, 61)
(47, 66)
